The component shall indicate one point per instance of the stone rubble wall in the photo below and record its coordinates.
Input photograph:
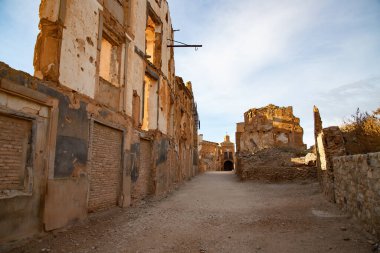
(273, 165)
(280, 174)
(357, 187)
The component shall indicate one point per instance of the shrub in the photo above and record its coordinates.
(361, 132)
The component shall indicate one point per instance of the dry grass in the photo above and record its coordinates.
(362, 132)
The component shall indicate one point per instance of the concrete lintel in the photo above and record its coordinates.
(11, 87)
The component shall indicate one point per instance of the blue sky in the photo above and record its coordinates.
(285, 52)
(19, 30)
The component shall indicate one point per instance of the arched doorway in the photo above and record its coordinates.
(228, 166)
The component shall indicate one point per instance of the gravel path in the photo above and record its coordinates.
(215, 212)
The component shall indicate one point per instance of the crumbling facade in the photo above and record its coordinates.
(351, 181)
(269, 127)
(216, 157)
(270, 147)
(104, 123)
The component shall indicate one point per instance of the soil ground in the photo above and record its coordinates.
(215, 212)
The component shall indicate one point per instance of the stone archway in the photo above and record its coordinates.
(228, 166)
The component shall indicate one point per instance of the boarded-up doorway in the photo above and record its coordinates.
(105, 174)
(143, 186)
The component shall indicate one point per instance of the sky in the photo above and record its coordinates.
(296, 53)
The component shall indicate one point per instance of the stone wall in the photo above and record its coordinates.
(273, 165)
(353, 181)
(357, 187)
(278, 174)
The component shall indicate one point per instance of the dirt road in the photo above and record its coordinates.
(215, 212)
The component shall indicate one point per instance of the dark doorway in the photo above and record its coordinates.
(228, 166)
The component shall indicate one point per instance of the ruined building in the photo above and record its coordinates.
(227, 150)
(105, 122)
(270, 146)
(268, 127)
(216, 157)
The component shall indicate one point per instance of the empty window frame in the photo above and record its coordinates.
(153, 39)
(110, 61)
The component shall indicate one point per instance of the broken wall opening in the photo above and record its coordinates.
(153, 38)
(110, 59)
(150, 104)
(228, 166)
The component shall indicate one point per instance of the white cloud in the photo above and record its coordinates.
(281, 52)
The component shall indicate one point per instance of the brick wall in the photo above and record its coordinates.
(357, 187)
(143, 185)
(105, 172)
(15, 135)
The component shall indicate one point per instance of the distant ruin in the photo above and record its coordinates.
(216, 157)
(268, 127)
(270, 147)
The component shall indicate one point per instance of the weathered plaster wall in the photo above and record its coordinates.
(20, 208)
(71, 146)
(65, 194)
(66, 62)
(79, 46)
